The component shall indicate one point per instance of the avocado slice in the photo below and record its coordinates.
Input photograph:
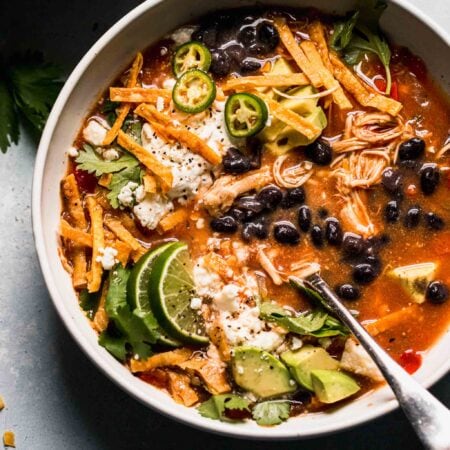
(415, 278)
(258, 371)
(331, 386)
(288, 138)
(301, 362)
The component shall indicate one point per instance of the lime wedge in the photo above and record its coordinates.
(138, 289)
(171, 291)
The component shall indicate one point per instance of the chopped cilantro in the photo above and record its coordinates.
(271, 413)
(89, 302)
(217, 406)
(120, 180)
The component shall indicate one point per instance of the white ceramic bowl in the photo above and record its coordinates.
(112, 52)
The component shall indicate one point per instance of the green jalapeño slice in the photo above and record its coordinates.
(245, 115)
(192, 55)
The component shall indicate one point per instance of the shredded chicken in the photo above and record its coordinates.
(377, 127)
(303, 269)
(268, 266)
(354, 214)
(225, 189)
(293, 176)
(443, 150)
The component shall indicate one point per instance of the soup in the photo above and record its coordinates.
(231, 161)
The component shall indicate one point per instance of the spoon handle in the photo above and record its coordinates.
(429, 417)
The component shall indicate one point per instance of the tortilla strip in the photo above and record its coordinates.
(125, 108)
(161, 131)
(100, 320)
(293, 119)
(391, 320)
(317, 34)
(122, 233)
(288, 39)
(353, 85)
(123, 250)
(98, 242)
(180, 389)
(138, 94)
(76, 211)
(172, 220)
(328, 80)
(149, 183)
(295, 79)
(219, 339)
(163, 173)
(76, 235)
(105, 179)
(170, 358)
(181, 134)
(219, 265)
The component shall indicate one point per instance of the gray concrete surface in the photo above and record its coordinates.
(56, 399)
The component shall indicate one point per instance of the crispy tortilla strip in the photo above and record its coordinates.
(74, 234)
(123, 250)
(219, 265)
(105, 179)
(328, 80)
(294, 79)
(98, 242)
(300, 124)
(150, 185)
(138, 95)
(79, 275)
(161, 131)
(172, 220)
(181, 134)
(64, 261)
(317, 34)
(9, 439)
(211, 372)
(2, 403)
(122, 233)
(391, 320)
(219, 339)
(125, 108)
(100, 320)
(73, 201)
(162, 172)
(179, 387)
(296, 52)
(353, 85)
(138, 254)
(171, 358)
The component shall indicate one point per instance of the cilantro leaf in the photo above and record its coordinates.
(271, 413)
(136, 333)
(120, 180)
(133, 127)
(9, 123)
(89, 302)
(91, 162)
(343, 32)
(216, 407)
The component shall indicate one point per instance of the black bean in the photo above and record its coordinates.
(411, 149)
(333, 231)
(237, 53)
(348, 292)
(437, 292)
(317, 235)
(254, 147)
(322, 213)
(286, 233)
(247, 36)
(304, 218)
(268, 35)
(319, 152)
(249, 65)
(225, 224)
(364, 273)
(250, 206)
(256, 229)
(235, 162)
(352, 244)
(429, 178)
(220, 63)
(410, 164)
(392, 180)
(412, 217)
(434, 221)
(270, 197)
(237, 213)
(293, 197)
(392, 211)
(207, 35)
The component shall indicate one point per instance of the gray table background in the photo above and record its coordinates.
(56, 398)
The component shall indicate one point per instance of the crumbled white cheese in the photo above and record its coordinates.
(207, 283)
(95, 132)
(196, 303)
(73, 152)
(228, 298)
(108, 257)
(200, 223)
(182, 35)
(163, 51)
(355, 359)
(111, 154)
(159, 104)
(296, 343)
(169, 83)
(152, 209)
(127, 195)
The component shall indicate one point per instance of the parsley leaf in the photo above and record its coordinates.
(216, 407)
(271, 413)
(9, 123)
(91, 162)
(135, 333)
(120, 180)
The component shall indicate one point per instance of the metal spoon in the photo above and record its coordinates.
(428, 416)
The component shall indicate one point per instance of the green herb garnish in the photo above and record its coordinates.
(271, 413)
(217, 406)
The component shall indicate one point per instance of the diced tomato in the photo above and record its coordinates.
(86, 181)
(410, 361)
(394, 90)
(380, 83)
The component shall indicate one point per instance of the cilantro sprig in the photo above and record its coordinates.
(218, 406)
(28, 89)
(361, 35)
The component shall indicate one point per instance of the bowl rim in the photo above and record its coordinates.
(93, 353)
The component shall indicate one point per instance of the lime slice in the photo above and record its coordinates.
(138, 289)
(171, 291)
